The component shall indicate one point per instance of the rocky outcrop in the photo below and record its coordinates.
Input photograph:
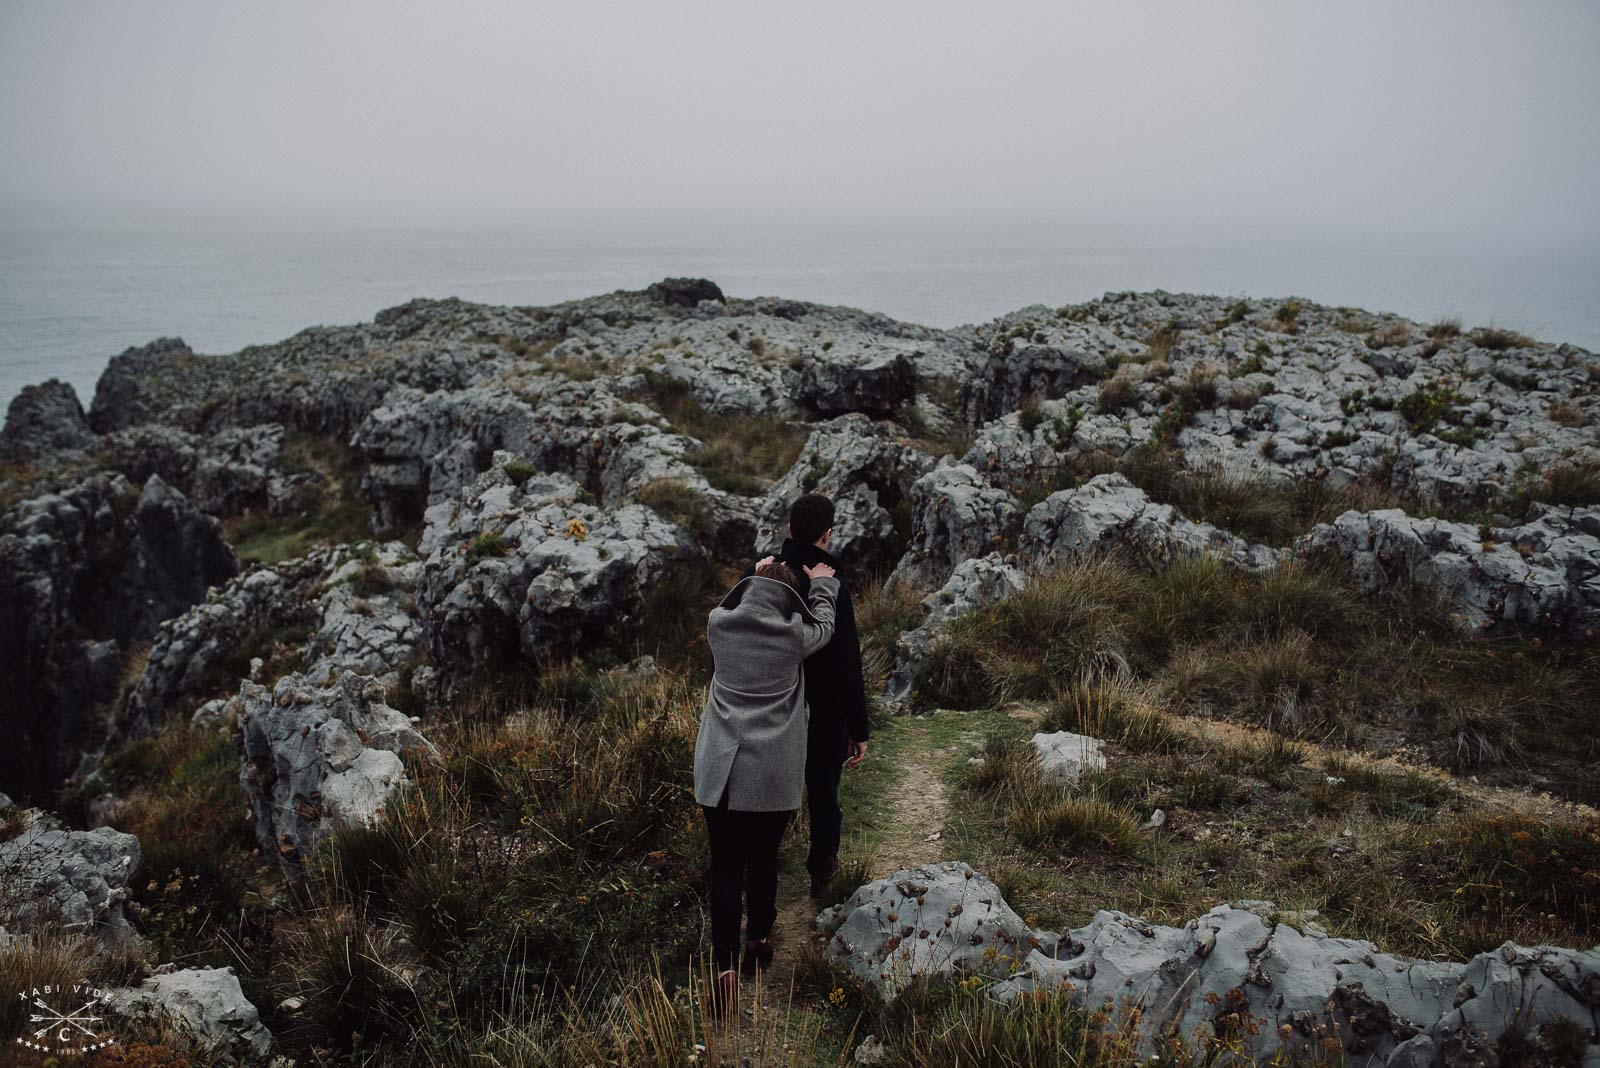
(224, 473)
(1110, 514)
(685, 292)
(84, 573)
(868, 473)
(520, 569)
(973, 584)
(43, 420)
(208, 1003)
(1036, 353)
(1242, 972)
(1539, 577)
(348, 609)
(956, 515)
(875, 382)
(53, 876)
(316, 760)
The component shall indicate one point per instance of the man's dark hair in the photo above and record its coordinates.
(810, 517)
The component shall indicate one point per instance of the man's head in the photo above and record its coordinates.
(811, 520)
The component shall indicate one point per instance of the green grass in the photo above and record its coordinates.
(740, 453)
(329, 511)
(1297, 649)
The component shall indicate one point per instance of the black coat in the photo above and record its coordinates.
(836, 688)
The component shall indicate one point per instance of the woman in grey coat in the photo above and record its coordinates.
(750, 756)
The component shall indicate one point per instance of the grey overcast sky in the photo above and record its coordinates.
(1446, 116)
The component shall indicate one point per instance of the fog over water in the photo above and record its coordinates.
(231, 174)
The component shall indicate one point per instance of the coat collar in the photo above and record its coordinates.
(762, 592)
(807, 554)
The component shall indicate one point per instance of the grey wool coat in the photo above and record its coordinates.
(752, 738)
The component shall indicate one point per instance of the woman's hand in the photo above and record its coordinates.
(820, 571)
(765, 560)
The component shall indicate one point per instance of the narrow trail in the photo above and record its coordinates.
(912, 812)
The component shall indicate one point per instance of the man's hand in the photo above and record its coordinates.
(820, 571)
(765, 560)
(855, 753)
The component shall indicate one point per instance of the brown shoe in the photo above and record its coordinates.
(722, 995)
(757, 954)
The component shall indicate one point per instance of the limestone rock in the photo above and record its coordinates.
(1542, 576)
(879, 382)
(519, 570)
(1064, 756)
(43, 420)
(973, 584)
(1110, 514)
(316, 759)
(956, 515)
(867, 473)
(937, 919)
(687, 292)
(206, 1002)
(84, 573)
(50, 875)
(1286, 982)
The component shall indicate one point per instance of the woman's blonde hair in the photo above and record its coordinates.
(780, 571)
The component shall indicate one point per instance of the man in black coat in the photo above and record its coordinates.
(835, 689)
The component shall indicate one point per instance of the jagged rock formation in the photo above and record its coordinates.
(45, 419)
(1541, 576)
(206, 1002)
(868, 474)
(956, 515)
(973, 584)
(1276, 982)
(50, 875)
(84, 573)
(1109, 514)
(316, 760)
(224, 473)
(521, 568)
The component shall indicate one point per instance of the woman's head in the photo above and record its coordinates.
(777, 569)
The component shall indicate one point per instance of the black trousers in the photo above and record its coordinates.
(744, 859)
(823, 771)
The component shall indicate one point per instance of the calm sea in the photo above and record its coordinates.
(73, 295)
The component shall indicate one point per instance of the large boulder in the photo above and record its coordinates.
(868, 473)
(1541, 576)
(44, 420)
(1064, 757)
(50, 875)
(317, 760)
(84, 573)
(208, 1003)
(956, 515)
(933, 920)
(130, 390)
(1109, 514)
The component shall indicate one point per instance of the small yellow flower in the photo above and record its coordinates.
(577, 530)
(837, 997)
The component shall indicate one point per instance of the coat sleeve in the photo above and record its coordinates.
(821, 598)
(846, 649)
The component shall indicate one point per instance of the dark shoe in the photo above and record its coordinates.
(722, 996)
(757, 954)
(821, 877)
